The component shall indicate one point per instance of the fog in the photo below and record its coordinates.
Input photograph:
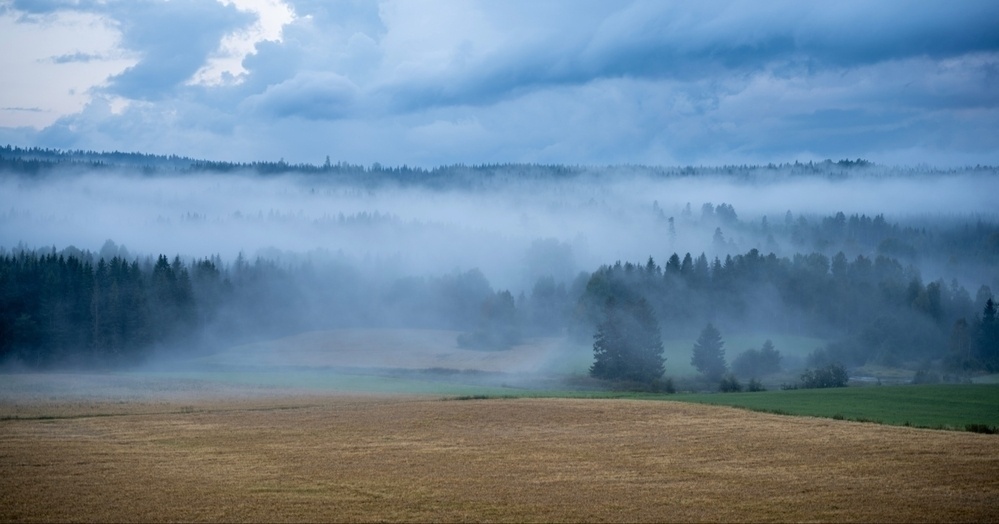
(512, 231)
(436, 254)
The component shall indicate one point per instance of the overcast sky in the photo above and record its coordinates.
(440, 81)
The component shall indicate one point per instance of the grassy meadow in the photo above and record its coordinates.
(947, 406)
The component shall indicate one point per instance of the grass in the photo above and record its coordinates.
(962, 407)
(947, 406)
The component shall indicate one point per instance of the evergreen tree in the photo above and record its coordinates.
(498, 325)
(757, 362)
(628, 344)
(709, 354)
(988, 337)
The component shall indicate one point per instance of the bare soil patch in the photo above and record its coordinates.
(327, 458)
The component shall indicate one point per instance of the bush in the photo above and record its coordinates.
(755, 385)
(830, 376)
(982, 428)
(757, 362)
(664, 385)
(730, 384)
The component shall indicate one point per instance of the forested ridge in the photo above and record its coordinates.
(34, 161)
(78, 308)
(910, 288)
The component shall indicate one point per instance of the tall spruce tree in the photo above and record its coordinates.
(709, 354)
(988, 337)
(628, 344)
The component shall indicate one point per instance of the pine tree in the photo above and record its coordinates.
(988, 338)
(709, 354)
(628, 344)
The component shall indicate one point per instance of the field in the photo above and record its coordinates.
(129, 447)
(947, 406)
(342, 426)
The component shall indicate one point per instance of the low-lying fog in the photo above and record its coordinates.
(506, 257)
(512, 231)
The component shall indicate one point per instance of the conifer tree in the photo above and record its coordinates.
(628, 344)
(709, 354)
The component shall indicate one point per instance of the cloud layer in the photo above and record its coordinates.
(428, 83)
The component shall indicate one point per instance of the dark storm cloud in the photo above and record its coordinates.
(657, 40)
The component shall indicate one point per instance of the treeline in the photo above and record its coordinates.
(875, 310)
(77, 308)
(80, 308)
(37, 161)
(57, 309)
(954, 245)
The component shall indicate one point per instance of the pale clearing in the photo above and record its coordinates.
(394, 458)
(388, 348)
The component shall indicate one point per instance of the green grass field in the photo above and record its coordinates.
(951, 406)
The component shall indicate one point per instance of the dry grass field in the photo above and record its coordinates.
(285, 457)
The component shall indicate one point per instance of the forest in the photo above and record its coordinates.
(499, 254)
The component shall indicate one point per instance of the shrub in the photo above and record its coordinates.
(982, 428)
(664, 385)
(756, 362)
(730, 384)
(755, 385)
(830, 376)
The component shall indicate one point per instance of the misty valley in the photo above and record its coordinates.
(202, 341)
(499, 261)
(115, 260)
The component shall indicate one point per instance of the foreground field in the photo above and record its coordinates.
(338, 458)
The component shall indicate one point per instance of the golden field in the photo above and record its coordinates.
(288, 457)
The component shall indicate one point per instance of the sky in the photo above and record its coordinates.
(434, 82)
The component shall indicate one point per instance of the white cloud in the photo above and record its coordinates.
(37, 87)
(226, 63)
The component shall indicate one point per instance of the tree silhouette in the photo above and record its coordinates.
(709, 354)
(988, 338)
(628, 344)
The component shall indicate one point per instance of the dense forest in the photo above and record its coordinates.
(875, 310)
(910, 288)
(83, 309)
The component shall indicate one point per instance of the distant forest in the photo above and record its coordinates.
(60, 308)
(855, 280)
(40, 161)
